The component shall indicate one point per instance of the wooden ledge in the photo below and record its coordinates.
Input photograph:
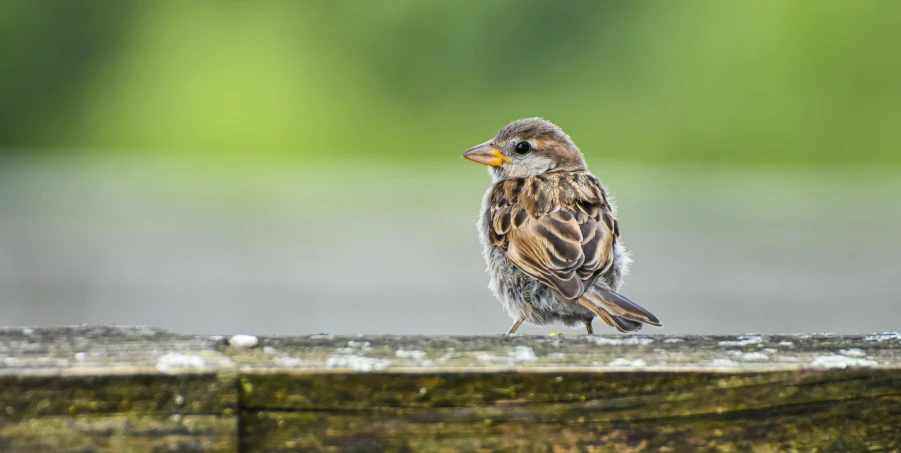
(112, 389)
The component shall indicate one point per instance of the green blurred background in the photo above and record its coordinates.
(293, 167)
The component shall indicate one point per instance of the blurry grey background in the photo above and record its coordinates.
(279, 167)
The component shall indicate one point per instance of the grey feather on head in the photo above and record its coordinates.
(534, 128)
(551, 149)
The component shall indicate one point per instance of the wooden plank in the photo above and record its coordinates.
(682, 354)
(840, 410)
(616, 396)
(842, 426)
(106, 350)
(104, 389)
(131, 433)
(433, 372)
(579, 393)
(573, 412)
(106, 370)
(27, 397)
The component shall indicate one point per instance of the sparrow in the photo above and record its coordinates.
(549, 232)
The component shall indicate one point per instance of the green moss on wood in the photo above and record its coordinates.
(626, 393)
(132, 389)
(132, 433)
(28, 397)
(870, 424)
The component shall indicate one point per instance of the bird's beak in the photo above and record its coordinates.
(486, 154)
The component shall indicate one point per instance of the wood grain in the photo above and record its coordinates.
(108, 389)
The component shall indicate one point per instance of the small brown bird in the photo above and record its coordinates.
(549, 233)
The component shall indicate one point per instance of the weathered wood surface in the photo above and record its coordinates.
(116, 389)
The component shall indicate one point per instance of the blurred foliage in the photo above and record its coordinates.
(745, 82)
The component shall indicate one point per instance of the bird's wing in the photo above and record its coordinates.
(558, 229)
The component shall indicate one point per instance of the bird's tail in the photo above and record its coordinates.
(616, 310)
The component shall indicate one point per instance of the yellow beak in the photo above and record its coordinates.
(486, 154)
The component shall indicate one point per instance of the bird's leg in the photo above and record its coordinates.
(588, 327)
(515, 326)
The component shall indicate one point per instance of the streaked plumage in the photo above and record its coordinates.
(549, 232)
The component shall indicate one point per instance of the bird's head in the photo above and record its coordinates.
(528, 147)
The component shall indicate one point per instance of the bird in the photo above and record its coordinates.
(549, 232)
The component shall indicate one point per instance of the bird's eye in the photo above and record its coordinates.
(523, 147)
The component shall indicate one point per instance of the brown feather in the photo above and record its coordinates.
(626, 315)
(558, 228)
